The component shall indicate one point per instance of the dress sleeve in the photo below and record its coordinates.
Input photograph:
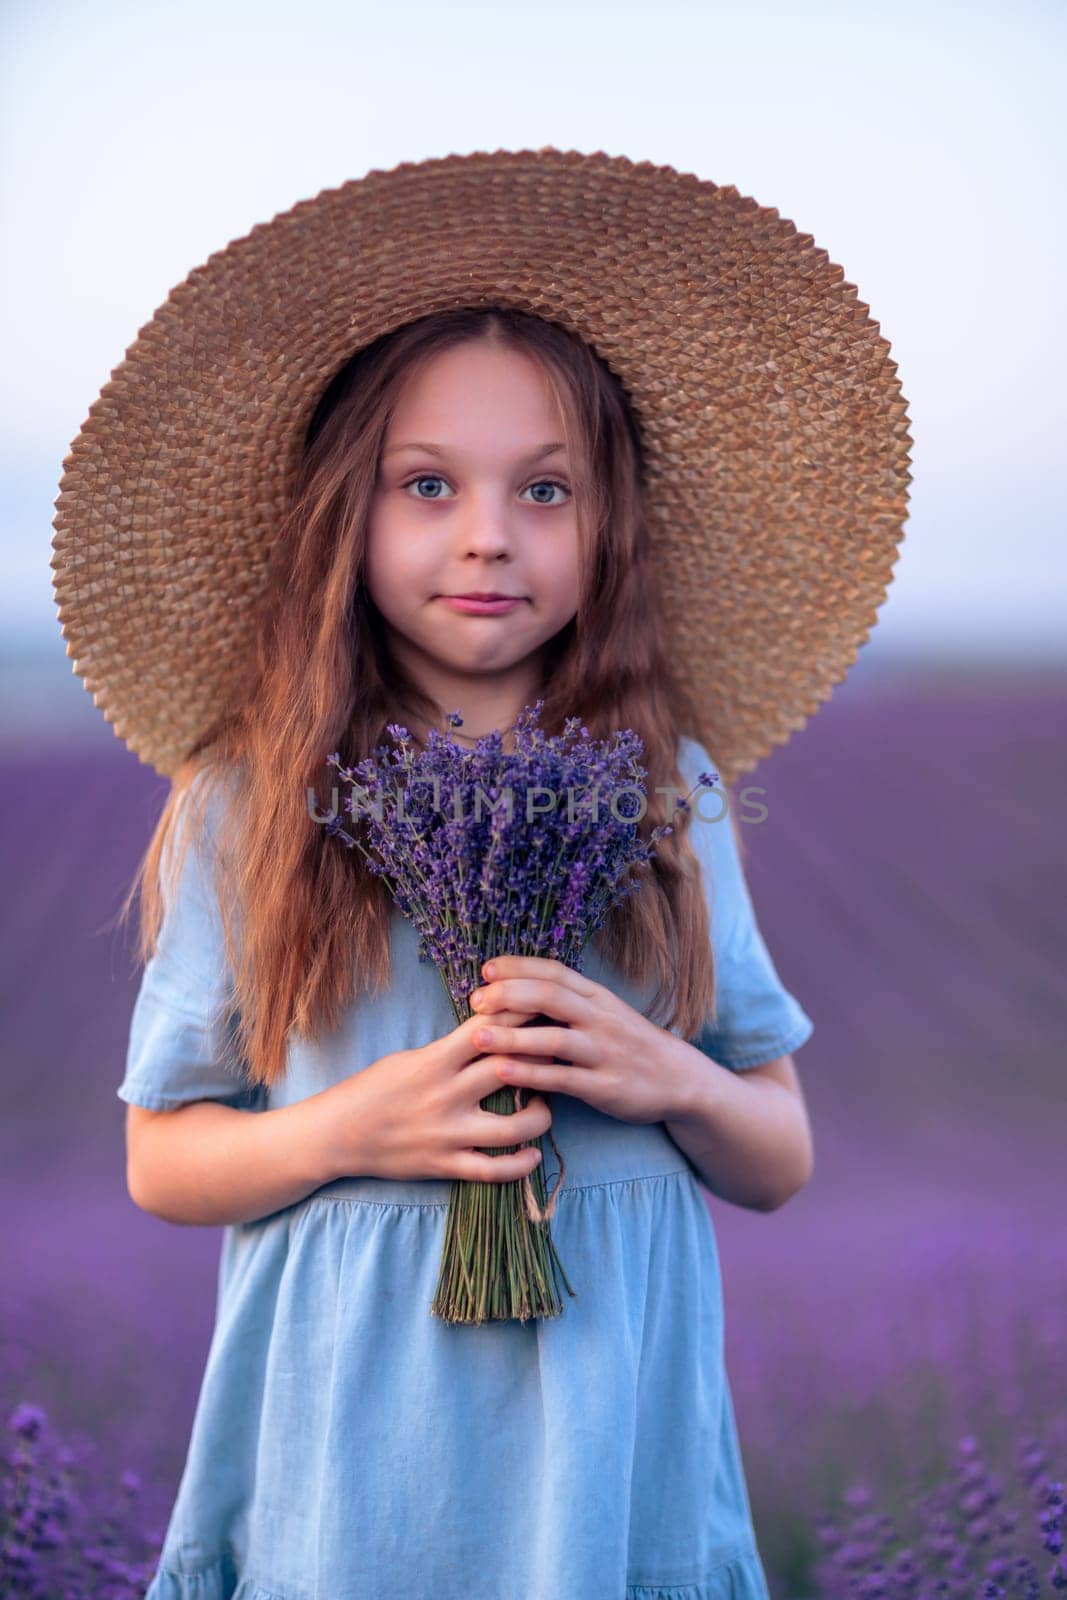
(181, 1042)
(757, 1018)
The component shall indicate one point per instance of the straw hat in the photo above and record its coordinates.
(776, 433)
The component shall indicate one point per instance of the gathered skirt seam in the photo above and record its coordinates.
(440, 1205)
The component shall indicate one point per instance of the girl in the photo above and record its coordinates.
(294, 1073)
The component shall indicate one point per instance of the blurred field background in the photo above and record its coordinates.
(910, 882)
(907, 1312)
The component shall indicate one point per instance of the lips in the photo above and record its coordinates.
(476, 607)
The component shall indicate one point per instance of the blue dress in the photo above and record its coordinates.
(348, 1445)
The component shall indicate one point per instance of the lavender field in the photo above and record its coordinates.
(899, 1328)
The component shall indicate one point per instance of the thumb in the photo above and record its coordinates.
(461, 1047)
(461, 1044)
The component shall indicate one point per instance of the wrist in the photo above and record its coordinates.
(317, 1123)
(688, 1082)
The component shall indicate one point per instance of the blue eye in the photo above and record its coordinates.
(539, 483)
(424, 477)
(548, 483)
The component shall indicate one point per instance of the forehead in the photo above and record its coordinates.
(475, 392)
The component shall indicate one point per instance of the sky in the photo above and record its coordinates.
(921, 145)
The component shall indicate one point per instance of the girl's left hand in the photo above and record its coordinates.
(614, 1058)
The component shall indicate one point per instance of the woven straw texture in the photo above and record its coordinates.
(776, 433)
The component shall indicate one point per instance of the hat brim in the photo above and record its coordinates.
(775, 430)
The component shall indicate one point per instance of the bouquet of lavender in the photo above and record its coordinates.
(489, 854)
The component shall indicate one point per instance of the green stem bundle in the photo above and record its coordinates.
(499, 1260)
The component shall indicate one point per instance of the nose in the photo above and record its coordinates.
(485, 529)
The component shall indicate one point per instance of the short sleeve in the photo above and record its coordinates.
(757, 1018)
(181, 1041)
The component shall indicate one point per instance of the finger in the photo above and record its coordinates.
(540, 967)
(570, 1044)
(498, 1130)
(461, 1047)
(513, 1019)
(487, 1081)
(516, 1019)
(539, 996)
(495, 1130)
(544, 1077)
(476, 1167)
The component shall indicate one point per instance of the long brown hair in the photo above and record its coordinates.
(314, 923)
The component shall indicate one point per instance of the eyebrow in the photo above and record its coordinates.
(438, 450)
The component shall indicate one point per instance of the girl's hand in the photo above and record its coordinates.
(614, 1058)
(417, 1114)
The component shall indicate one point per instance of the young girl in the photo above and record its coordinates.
(294, 1072)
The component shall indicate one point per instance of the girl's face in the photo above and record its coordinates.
(469, 498)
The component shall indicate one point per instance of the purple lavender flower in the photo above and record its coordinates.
(961, 1545)
(489, 852)
(62, 1537)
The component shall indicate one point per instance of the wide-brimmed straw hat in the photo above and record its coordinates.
(775, 431)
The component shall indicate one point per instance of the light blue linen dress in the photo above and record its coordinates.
(348, 1445)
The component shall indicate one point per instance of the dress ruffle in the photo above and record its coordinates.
(219, 1581)
(741, 1578)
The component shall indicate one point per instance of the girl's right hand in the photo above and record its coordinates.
(417, 1114)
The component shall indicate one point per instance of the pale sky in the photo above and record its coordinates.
(921, 145)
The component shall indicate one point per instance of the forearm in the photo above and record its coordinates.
(747, 1136)
(210, 1164)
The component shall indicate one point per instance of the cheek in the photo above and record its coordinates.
(558, 575)
(393, 565)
